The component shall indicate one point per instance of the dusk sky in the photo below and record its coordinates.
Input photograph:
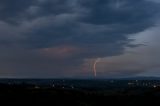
(67, 38)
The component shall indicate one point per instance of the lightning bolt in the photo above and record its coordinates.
(94, 67)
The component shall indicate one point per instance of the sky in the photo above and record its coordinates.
(79, 38)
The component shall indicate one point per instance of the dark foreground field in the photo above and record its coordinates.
(27, 95)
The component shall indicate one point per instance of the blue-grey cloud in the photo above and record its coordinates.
(39, 31)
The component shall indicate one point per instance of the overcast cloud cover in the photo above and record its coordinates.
(63, 38)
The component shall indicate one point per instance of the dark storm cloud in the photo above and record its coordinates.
(98, 23)
(85, 29)
(12, 11)
(109, 12)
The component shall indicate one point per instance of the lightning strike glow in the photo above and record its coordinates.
(94, 67)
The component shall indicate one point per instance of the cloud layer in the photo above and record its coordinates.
(54, 38)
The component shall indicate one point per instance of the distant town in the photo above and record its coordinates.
(81, 84)
(84, 92)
